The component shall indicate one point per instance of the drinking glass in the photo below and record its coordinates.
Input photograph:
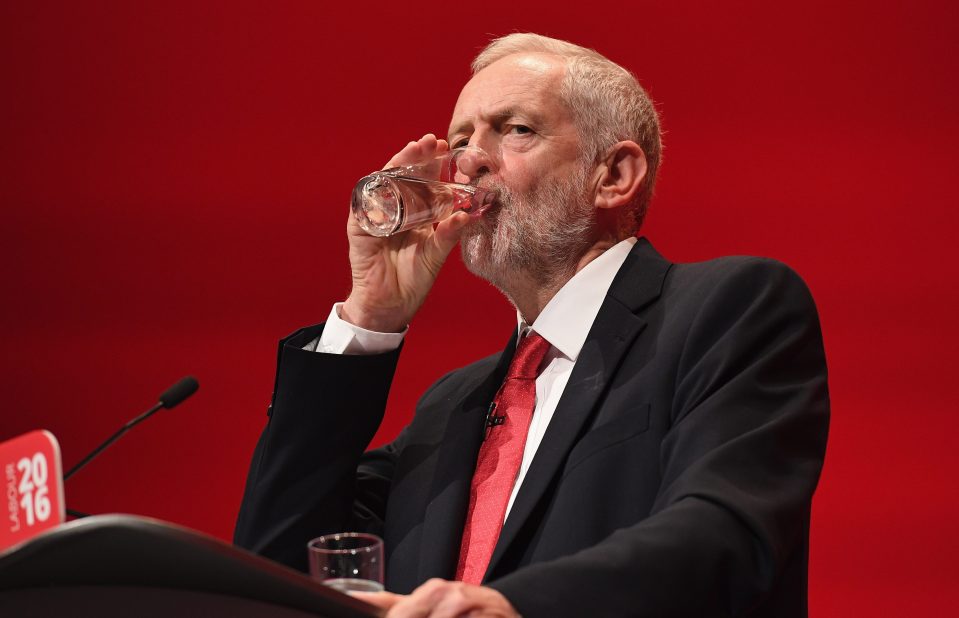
(348, 561)
(400, 198)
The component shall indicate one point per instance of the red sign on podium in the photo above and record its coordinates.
(33, 486)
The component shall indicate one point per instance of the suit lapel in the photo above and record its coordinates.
(449, 494)
(638, 283)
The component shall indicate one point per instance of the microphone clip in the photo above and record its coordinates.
(492, 420)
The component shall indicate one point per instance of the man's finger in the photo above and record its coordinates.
(443, 239)
(383, 600)
(449, 230)
(415, 151)
(408, 152)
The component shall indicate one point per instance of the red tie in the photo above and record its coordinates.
(499, 459)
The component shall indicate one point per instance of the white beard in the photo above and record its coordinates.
(541, 234)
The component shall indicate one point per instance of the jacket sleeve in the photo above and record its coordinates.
(309, 475)
(739, 465)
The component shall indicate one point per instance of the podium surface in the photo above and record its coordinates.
(121, 565)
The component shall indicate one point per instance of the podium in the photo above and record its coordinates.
(121, 565)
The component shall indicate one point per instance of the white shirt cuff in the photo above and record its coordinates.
(341, 337)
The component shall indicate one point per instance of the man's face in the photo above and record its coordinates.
(544, 216)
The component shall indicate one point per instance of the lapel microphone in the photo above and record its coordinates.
(492, 420)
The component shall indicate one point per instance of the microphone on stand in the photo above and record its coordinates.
(170, 398)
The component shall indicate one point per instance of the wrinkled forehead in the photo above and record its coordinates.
(527, 80)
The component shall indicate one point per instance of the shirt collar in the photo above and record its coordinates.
(567, 317)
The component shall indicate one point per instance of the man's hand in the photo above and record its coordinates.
(391, 276)
(439, 598)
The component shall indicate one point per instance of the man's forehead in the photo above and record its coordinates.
(513, 82)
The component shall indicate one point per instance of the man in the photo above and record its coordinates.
(658, 452)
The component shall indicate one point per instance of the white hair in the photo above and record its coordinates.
(607, 103)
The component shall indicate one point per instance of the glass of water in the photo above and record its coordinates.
(400, 198)
(348, 561)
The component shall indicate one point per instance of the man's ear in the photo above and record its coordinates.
(620, 175)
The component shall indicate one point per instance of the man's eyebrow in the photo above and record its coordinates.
(460, 128)
(497, 117)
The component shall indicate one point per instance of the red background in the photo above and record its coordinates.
(174, 187)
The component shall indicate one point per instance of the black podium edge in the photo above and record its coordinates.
(128, 550)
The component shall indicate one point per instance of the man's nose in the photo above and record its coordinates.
(473, 163)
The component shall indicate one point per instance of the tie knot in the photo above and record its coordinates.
(529, 354)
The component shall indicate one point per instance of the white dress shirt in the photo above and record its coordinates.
(564, 323)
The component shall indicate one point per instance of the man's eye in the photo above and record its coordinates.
(460, 143)
(520, 129)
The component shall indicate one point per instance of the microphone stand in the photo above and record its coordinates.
(112, 439)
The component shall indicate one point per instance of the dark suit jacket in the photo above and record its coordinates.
(675, 478)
